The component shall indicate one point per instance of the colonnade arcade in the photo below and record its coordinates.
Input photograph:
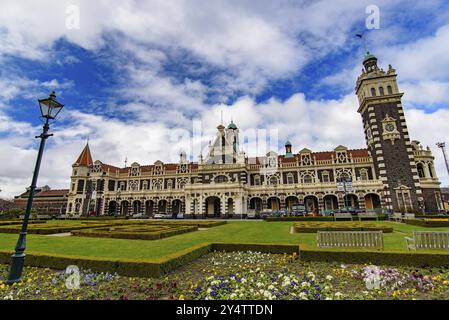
(230, 204)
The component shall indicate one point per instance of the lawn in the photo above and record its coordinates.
(232, 232)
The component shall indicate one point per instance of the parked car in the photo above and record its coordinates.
(180, 216)
(140, 216)
(162, 216)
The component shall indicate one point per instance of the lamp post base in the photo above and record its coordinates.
(15, 270)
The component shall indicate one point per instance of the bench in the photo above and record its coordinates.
(350, 239)
(430, 240)
(368, 215)
(345, 216)
(396, 216)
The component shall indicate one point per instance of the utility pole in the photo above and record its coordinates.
(442, 146)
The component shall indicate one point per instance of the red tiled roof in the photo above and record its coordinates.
(53, 193)
(85, 158)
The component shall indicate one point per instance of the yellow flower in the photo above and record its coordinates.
(446, 282)
(181, 297)
(2, 286)
(29, 280)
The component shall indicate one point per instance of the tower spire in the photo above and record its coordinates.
(85, 158)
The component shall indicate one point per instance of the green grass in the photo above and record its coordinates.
(232, 232)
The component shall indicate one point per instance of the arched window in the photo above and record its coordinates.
(390, 90)
(273, 181)
(430, 170)
(290, 179)
(221, 179)
(257, 180)
(307, 178)
(381, 91)
(373, 92)
(421, 170)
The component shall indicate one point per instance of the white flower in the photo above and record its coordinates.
(305, 284)
(329, 278)
(233, 296)
(271, 287)
(338, 295)
(243, 280)
(303, 295)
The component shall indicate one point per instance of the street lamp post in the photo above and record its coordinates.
(50, 108)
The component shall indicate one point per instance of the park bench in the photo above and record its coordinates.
(368, 215)
(409, 216)
(430, 240)
(344, 215)
(350, 239)
(396, 216)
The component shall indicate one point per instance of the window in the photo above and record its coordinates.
(169, 184)
(373, 92)
(307, 179)
(390, 90)
(257, 180)
(273, 181)
(381, 91)
(290, 179)
(363, 175)
(221, 179)
(430, 170)
(325, 177)
(421, 170)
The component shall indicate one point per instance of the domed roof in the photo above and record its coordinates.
(288, 143)
(232, 125)
(369, 56)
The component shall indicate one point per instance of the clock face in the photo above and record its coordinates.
(389, 127)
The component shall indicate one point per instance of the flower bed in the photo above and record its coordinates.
(139, 231)
(314, 227)
(240, 275)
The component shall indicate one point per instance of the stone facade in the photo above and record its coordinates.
(392, 173)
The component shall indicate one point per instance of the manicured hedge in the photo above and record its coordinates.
(135, 232)
(314, 227)
(17, 222)
(430, 216)
(412, 259)
(428, 223)
(131, 268)
(42, 228)
(264, 248)
(283, 219)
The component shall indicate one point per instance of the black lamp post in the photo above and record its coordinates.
(50, 108)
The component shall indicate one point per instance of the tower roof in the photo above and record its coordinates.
(369, 56)
(232, 126)
(288, 143)
(85, 158)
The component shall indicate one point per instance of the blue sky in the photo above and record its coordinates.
(135, 72)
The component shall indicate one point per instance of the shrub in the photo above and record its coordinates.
(135, 232)
(314, 227)
(281, 219)
(428, 223)
(412, 259)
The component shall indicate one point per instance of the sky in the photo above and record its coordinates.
(140, 79)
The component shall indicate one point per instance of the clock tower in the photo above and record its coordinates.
(387, 136)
